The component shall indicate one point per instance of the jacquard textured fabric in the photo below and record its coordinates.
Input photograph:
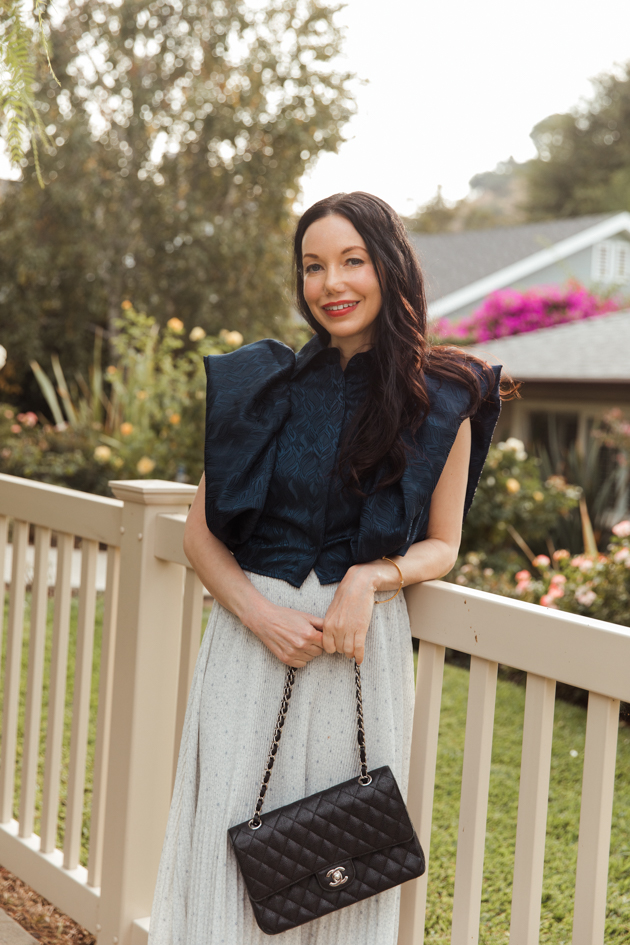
(274, 421)
(360, 835)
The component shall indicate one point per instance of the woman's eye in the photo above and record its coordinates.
(355, 261)
(313, 267)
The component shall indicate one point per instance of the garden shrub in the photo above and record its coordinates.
(514, 501)
(513, 312)
(592, 585)
(143, 416)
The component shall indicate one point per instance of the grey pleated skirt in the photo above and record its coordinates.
(200, 898)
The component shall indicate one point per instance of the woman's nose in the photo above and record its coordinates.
(334, 280)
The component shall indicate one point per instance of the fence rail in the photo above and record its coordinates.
(151, 627)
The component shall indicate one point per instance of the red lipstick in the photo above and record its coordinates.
(331, 308)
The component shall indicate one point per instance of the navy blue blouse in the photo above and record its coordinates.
(273, 426)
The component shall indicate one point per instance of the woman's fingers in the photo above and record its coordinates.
(345, 636)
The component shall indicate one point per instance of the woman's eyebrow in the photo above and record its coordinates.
(343, 252)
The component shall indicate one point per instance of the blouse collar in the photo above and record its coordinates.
(316, 346)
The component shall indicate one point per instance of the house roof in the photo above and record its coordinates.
(461, 268)
(595, 349)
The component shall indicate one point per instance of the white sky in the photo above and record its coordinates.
(455, 86)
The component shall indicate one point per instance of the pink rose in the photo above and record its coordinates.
(541, 561)
(582, 562)
(522, 576)
(547, 601)
(29, 419)
(555, 590)
(560, 554)
(585, 596)
(621, 555)
(622, 529)
(16, 428)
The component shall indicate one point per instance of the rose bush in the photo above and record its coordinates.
(141, 416)
(514, 502)
(592, 585)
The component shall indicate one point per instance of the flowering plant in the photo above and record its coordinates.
(614, 431)
(593, 585)
(597, 585)
(515, 503)
(510, 312)
(143, 415)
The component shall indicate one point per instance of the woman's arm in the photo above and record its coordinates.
(294, 637)
(348, 617)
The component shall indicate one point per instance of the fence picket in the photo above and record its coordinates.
(81, 704)
(532, 810)
(598, 784)
(424, 743)
(191, 637)
(473, 809)
(4, 523)
(35, 675)
(57, 693)
(103, 721)
(12, 672)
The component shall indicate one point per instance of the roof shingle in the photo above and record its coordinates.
(451, 261)
(595, 349)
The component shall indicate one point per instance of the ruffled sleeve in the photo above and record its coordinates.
(396, 517)
(247, 403)
(482, 425)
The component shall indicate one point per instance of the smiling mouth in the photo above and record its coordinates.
(340, 308)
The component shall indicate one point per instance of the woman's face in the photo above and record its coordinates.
(340, 283)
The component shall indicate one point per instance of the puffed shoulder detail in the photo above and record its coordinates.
(396, 517)
(247, 402)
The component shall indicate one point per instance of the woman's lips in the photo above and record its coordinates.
(335, 312)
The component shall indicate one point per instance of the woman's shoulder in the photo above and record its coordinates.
(458, 378)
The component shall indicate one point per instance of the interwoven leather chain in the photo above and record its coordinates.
(289, 680)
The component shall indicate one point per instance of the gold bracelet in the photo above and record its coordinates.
(402, 581)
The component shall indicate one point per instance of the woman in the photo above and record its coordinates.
(368, 443)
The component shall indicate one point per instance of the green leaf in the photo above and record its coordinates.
(48, 391)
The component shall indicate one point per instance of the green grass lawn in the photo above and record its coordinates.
(564, 806)
(562, 825)
(68, 715)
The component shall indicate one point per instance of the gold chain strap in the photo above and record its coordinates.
(289, 680)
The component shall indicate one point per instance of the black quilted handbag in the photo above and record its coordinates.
(329, 850)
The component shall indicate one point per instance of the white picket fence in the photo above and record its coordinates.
(152, 614)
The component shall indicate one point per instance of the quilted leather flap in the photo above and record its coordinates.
(345, 821)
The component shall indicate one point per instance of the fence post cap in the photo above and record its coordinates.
(153, 491)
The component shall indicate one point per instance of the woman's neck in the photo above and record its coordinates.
(350, 346)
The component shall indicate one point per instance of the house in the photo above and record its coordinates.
(462, 269)
(571, 376)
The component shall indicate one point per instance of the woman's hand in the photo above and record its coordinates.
(291, 635)
(348, 617)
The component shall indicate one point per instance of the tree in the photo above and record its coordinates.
(495, 199)
(180, 135)
(583, 163)
(21, 46)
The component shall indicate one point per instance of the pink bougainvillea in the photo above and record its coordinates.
(509, 312)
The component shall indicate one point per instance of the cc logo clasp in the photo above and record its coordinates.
(336, 876)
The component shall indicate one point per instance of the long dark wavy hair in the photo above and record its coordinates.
(397, 400)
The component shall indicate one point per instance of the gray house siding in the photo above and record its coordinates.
(576, 267)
